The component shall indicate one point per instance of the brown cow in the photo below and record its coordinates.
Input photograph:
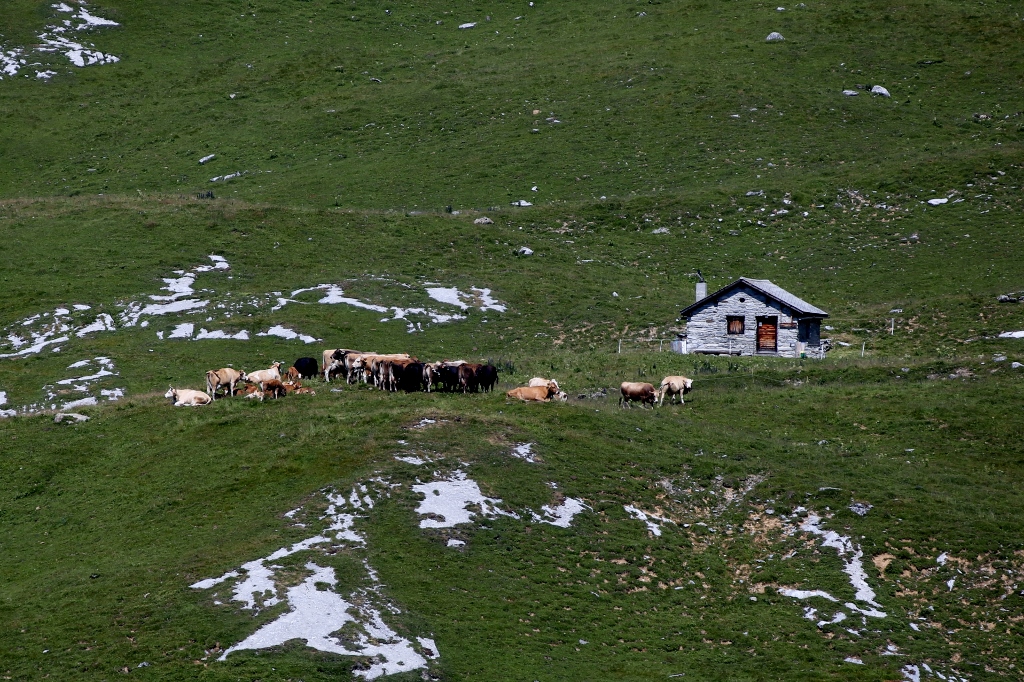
(274, 389)
(540, 394)
(638, 391)
(293, 374)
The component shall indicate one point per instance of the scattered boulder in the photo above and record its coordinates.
(774, 37)
(525, 251)
(879, 90)
(483, 221)
(860, 508)
(998, 357)
(1011, 297)
(522, 202)
(70, 417)
(938, 202)
(850, 93)
(1015, 365)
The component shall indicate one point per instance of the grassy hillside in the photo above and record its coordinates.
(683, 142)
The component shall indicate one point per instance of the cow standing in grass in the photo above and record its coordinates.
(638, 391)
(675, 386)
(219, 378)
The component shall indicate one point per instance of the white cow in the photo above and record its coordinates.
(262, 376)
(186, 397)
(541, 381)
(675, 386)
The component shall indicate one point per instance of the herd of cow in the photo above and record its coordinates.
(397, 372)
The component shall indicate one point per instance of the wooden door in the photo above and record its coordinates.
(767, 334)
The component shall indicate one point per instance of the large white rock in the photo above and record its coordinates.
(774, 36)
(879, 90)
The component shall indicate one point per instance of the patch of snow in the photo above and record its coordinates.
(103, 323)
(84, 402)
(112, 394)
(317, 610)
(854, 567)
(860, 508)
(806, 594)
(3, 397)
(941, 559)
(285, 333)
(562, 514)
(938, 202)
(647, 518)
(850, 93)
(1004, 335)
(220, 334)
(524, 451)
(521, 202)
(487, 302)
(911, 673)
(853, 659)
(449, 295)
(209, 157)
(411, 459)
(468, 25)
(455, 543)
(182, 331)
(449, 500)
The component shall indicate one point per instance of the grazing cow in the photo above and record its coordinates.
(405, 375)
(307, 368)
(540, 381)
(274, 389)
(186, 397)
(540, 394)
(264, 375)
(487, 377)
(675, 386)
(448, 374)
(292, 374)
(218, 378)
(638, 391)
(329, 366)
(468, 377)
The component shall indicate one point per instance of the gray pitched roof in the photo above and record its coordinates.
(767, 288)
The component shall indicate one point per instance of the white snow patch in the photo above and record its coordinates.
(412, 459)
(3, 397)
(455, 543)
(854, 566)
(286, 333)
(103, 323)
(806, 594)
(561, 515)
(468, 25)
(851, 93)
(941, 559)
(182, 331)
(221, 334)
(206, 158)
(316, 610)
(648, 519)
(449, 295)
(937, 202)
(450, 500)
(521, 202)
(112, 394)
(84, 402)
(853, 659)
(911, 673)
(525, 452)
(1004, 335)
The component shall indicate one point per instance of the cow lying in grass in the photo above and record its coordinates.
(186, 397)
(540, 394)
(638, 391)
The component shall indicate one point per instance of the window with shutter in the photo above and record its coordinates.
(734, 324)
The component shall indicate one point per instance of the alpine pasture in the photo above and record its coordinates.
(196, 185)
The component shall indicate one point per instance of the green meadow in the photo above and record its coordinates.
(855, 518)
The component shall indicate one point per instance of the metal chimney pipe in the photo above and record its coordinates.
(702, 290)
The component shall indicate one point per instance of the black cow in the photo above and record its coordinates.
(308, 368)
(487, 377)
(408, 376)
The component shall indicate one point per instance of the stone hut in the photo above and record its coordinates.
(753, 317)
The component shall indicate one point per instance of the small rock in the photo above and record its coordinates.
(525, 251)
(469, 25)
(937, 202)
(72, 417)
(1006, 298)
(879, 90)
(1015, 365)
(860, 508)
(615, 294)
(522, 202)
(998, 357)
(660, 230)
(483, 221)
(850, 93)
(774, 37)
(144, 664)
